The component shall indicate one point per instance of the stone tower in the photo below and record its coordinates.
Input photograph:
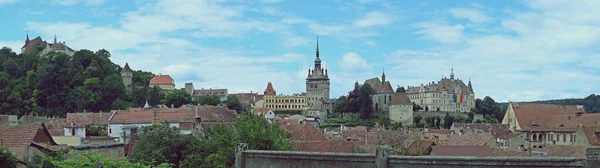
(317, 82)
(127, 75)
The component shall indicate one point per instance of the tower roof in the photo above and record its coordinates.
(270, 90)
(126, 68)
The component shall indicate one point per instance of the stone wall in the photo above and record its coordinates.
(384, 159)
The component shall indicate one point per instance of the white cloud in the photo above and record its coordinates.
(32, 12)
(270, 1)
(14, 45)
(473, 15)
(353, 61)
(8, 2)
(373, 19)
(440, 32)
(295, 41)
(544, 55)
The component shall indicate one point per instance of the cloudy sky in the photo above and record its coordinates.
(511, 50)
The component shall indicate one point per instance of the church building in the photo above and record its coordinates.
(43, 47)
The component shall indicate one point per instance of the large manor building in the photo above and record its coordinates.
(447, 95)
(283, 102)
(43, 47)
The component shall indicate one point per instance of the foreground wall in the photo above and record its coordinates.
(384, 159)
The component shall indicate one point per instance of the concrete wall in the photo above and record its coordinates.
(384, 159)
(402, 113)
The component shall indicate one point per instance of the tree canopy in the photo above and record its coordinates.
(208, 100)
(233, 103)
(178, 98)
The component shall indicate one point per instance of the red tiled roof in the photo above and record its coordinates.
(400, 98)
(496, 130)
(261, 110)
(308, 133)
(386, 87)
(291, 126)
(206, 113)
(326, 146)
(529, 114)
(270, 90)
(162, 80)
(375, 83)
(82, 119)
(417, 147)
(21, 136)
(469, 139)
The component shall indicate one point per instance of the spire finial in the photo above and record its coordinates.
(54, 38)
(317, 42)
(452, 73)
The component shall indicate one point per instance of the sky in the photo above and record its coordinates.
(510, 50)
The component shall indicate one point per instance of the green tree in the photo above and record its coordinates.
(364, 99)
(426, 108)
(340, 104)
(178, 98)
(448, 121)
(155, 96)
(233, 103)
(400, 89)
(162, 144)
(416, 107)
(208, 100)
(259, 135)
(417, 121)
(7, 159)
(103, 53)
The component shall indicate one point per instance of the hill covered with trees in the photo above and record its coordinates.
(54, 84)
(591, 103)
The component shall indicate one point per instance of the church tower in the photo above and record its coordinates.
(317, 82)
(127, 75)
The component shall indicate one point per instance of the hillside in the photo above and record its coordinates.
(591, 102)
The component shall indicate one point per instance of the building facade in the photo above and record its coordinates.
(127, 76)
(317, 82)
(382, 96)
(283, 102)
(43, 47)
(401, 109)
(164, 82)
(447, 95)
(221, 93)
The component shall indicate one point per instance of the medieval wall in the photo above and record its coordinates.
(384, 159)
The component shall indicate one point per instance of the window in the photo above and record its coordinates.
(557, 137)
(564, 137)
(110, 131)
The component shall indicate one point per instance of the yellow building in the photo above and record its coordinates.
(283, 102)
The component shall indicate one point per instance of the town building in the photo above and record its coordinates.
(401, 109)
(317, 82)
(125, 123)
(127, 76)
(447, 95)
(164, 82)
(284, 102)
(27, 141)
(221, 93)
(43, 47)
(382, 96)
(545, 125)
(250, 101)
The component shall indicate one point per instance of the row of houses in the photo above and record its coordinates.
(121, 126)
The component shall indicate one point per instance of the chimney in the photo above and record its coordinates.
(155, 117)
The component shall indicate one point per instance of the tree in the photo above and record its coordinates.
(154, 96)
(178, 98)
(233, 103)
(417, 120)
(7, 159)
(364, 99)
(426, 108)
(162, 144)
(212, 100)
(340, 104)
(448, 121)
(103, 53)
(438, 121)
(416, 107)
(400, 89)
(471, 117)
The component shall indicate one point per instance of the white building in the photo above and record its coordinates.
(123, 123)
(401, 109)
(447, 95)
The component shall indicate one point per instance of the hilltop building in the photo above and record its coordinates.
(317, 82)
(221, 93)
(127, 75)
(164, 82)
(447, 95)
(382, 96)
(400, 108)
(283, 102)
(43, 47)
